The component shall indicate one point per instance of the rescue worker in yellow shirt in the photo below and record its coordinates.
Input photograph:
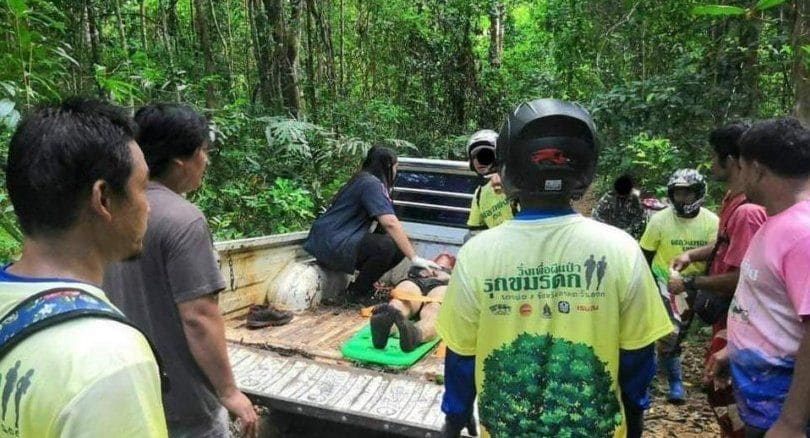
(550, 317)
(489, 207)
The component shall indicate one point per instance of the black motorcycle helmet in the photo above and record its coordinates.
(547, 147)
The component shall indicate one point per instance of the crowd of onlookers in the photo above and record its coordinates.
(110, 324)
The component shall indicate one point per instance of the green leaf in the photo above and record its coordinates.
(718, 10)
(18, 7)
(767, 4)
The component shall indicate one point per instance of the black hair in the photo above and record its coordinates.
(725, 140)
(167, 131)
(380, 162)
(623, 184)
(782, 145)
(56, 155)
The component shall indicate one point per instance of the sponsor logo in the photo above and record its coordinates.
(564, 307)
(500, 309)
(550, 156)
(546, 311)
(553, 185)
(525, 309)
(587, 307)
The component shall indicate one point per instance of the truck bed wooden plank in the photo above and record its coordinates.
(382, 401)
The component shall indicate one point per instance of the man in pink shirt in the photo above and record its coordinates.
(739, 220)
(769, 317)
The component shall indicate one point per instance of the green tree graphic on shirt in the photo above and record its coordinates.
(546, 386)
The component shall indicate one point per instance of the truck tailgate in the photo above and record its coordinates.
(395, 403)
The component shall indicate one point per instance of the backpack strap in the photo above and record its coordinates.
(54, 306)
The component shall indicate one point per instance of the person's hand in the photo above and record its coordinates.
(717, 370)
(240, 406)
(782, 429)
(675, 285)
(495, 179)
(681, 262)
(423, 263)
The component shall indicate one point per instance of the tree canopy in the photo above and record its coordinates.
(298, 89)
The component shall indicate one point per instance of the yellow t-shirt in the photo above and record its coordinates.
(488, 208)
(669, 236)
(545, 305)
(88, 377)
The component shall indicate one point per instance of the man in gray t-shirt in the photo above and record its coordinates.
(171, 290)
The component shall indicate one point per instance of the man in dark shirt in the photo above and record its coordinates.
(171, 291)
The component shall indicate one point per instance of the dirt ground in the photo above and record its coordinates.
(691, 420)
(695, 418)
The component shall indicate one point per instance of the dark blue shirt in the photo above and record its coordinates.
(335, 236)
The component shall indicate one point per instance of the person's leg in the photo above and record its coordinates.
(721, 398)
(429, 315)
(670, 361)
(669, 352)
(754, 432)
(376, 254)
(384, 315)
(635, 421)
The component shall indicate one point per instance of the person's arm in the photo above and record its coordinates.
(793, 420)
(393, 227)
(650, 240)
(700, 254)
(722, 285)
(205, 333)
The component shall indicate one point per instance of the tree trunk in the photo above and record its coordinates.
(311, 77)
(290, 84)
(342, 79)
(95, 51)
(225, 48)
(325, 33)
(200, 20)
(496, 16)
(263, 45)
(801, 64)
(749, 67)
(125, 46)
(144, 44)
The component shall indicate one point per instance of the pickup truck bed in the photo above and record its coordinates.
(298, 368)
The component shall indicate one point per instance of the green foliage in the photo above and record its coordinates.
(719, 10)
(418, 75)
(644, 157)
(545, 386)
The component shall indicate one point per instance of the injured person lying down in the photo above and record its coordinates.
(414, 306)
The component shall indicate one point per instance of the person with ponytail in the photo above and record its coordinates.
(344, 237)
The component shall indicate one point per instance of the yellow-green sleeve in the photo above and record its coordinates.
(475, 219)
(652, 234)
(643, 318)
(124, 403)
(458, 318)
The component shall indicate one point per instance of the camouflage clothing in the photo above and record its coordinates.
(621, 212)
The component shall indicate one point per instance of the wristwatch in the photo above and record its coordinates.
(689, 283)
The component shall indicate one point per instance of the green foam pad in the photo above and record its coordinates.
(360, 348)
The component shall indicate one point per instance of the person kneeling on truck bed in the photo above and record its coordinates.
(341, 238)
(418, 296)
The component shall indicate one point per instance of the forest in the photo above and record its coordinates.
(297, 90)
